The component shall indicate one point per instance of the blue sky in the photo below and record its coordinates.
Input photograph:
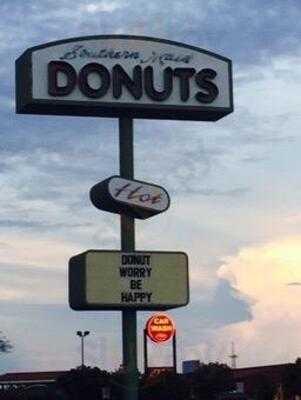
(234, 185)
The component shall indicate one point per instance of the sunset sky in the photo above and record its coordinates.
(234, 185)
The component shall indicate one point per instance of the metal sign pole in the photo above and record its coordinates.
(174, 351)
(145, 351)
(82, 348)
(129, 317)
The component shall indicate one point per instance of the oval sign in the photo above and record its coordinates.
(134, 198)
(121, 75)
(160, 328)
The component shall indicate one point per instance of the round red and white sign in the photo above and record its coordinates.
(160, 328)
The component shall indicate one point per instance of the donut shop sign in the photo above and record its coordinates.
(118, 75)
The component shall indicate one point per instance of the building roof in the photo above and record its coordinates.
(28, 377)
(249, 376)
(271, 370)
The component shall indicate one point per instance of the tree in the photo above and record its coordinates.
(5, 346)
(82, 383)
(210, 380)
(205, 383)
(291, 379)
(263, 388)
(166, 386)
(117, 382)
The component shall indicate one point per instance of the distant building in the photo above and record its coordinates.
(25, 379)
(247, 379)
(190, 365)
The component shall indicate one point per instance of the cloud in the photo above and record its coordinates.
(34, 251)
(103, 6)
(230, 192)
(277, 262)
(266, 29)
(252, 160)
(227, 305)
(30, 285)
(268, 277)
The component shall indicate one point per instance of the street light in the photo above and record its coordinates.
(82, 335)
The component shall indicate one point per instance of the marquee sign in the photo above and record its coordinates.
(160, 328)
(134, 198)
(119, 75)
(145, 280)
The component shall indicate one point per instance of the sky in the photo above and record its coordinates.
(234, 186)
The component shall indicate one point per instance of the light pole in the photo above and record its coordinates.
(82, 335)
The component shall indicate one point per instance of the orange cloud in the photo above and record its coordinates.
(268, 276)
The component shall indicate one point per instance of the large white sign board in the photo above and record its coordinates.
(106, 280)
(118, 75)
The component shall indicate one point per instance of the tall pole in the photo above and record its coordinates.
(82, 335)
(82, 340)
(233, 356)
(129, 317)
(174, 351)
(145, 351)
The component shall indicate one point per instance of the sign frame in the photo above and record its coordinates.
(26, 104)
(77, 284)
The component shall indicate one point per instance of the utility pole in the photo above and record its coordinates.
(233, 356)
(82, 335)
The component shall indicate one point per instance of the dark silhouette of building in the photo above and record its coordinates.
(247, 378)
(25, 379)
